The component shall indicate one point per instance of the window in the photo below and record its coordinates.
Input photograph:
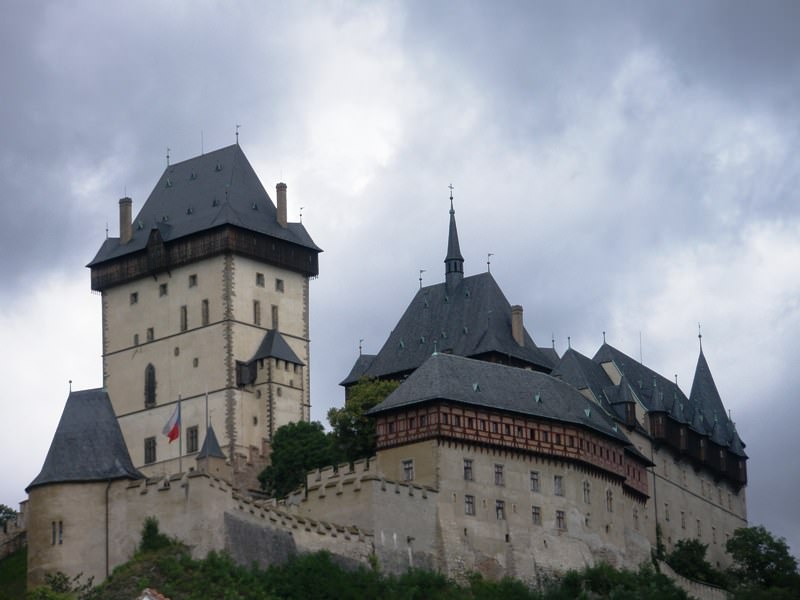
(61, 532)
(408, 470)
(149, 386)
(457, 420)
(498, 475)
(666, 511)
(536, 515)
(274, 317)
(683, 520)
(53, 533)
(204, 311)
(636, 519)
(279, 285)
(151, 335)
(535, 485)
(500, 510)
(193, 280)
(468, 469)
(184, 318)
(135, 339)
(411, 422)
(587, 492)
(256, 312)
(162, 289)
(507, 429)
(469, 505)
(561, 520)
(609, 501)
(558, 485)
(699, 530)
(134, 297)
(713, 535)
(445, 418)
(260, 279)
(494, 427)
(390, 427)
(545, 436)
(423, 420)
(191, 439)
(149, 450)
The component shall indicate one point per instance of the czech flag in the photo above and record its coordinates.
(173, 427)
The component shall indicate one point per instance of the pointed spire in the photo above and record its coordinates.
(454, 262)
(210, 447)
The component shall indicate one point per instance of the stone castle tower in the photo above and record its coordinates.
(205, 298)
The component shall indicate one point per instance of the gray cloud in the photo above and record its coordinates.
(632, 166)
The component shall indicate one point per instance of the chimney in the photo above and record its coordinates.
(125, 229)
(281, 190)
(517, 330)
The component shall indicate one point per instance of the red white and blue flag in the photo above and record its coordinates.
(173, 427)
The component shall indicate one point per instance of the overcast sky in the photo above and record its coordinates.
(634, 168)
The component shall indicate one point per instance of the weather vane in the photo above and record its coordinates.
(489, 262)
(237, 134)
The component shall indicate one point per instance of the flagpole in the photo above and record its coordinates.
(180, 437)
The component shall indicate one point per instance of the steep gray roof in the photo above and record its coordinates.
(274, 345)
(88, 443)
(359, 368)
(210, 447)
(495, 386)
(208, 191)
(470, 319)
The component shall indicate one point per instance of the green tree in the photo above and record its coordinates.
(354, 431)
(296, 449)
(761, 560)
(6, 514)
(689, 559)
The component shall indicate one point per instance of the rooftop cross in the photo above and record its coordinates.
(451, 198)
(237, 134)
(489, 262)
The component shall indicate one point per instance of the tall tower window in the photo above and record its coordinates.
(256, 312)
(184, 318)
(149, 450)
(149, 386)
(192, 438)
(274, 317)
(204, 311)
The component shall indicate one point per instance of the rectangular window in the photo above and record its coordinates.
(536, 515)
(494, 427)
(53, 533)
(713, 535)
(587, 492)
(498, 475)
(469, 505)
(561, 520)
(558, 485)
(162, 289)
(468, 469)
(423, 420)
(61, 532)
(193, 280)
(150, 334)
(184, 318)
(500, 510)
(192, 439)
(506, 429)
(411, 423)
(134, 297)
(149, 450)
(610, 501)
(683, 520)
(256, 312)
(445, 418)
(274, 317)
(558, 438)
(545, 436)
(535, 485)
(260, 279)
(408, 470)
(135, 339)
(279, 285)
(666, 511)
(204, 311)
(457, 420)
(699, 530)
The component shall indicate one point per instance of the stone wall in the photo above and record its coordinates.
(695, 589)
(13, 534)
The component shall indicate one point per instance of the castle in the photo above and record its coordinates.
(494, 455)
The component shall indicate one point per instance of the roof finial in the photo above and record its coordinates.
(421, 271)
(106, 229)
(604, 337)
(451, 198)
(237, 134)
(569, 342)
(361, 341)
(676, 379)
(489, 262)
(301, 213)
(700, 336)
(167, 156)
(553, 340)
(70, 386)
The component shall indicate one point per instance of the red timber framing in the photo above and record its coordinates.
(524, 434)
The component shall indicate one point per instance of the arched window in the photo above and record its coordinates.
(149, 386)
